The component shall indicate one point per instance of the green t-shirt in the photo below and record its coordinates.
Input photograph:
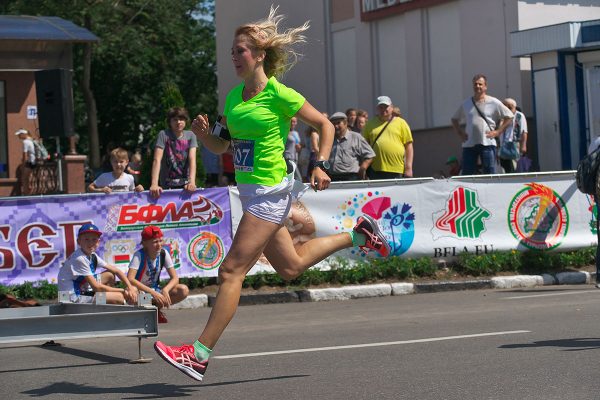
(259, 128)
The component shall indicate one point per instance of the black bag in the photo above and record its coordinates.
(587, 171)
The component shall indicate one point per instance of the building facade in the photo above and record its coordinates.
(29, 44)
(421, 53)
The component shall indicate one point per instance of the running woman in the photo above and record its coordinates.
(256, 122)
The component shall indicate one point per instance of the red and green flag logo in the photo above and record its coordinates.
(122, 259)
(463, 216)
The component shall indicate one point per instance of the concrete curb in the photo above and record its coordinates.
(573, 278)
(193, 301)
(346, 292)
(517, 281)
(395, 289)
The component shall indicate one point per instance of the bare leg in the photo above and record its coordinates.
(250, 239)
(178, 293)
(115, 298)
(108, 278)
(290, 262)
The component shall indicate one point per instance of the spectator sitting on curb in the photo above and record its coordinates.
(146, 266)
(78, 276)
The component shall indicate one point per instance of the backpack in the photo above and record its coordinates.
(41, 154)
(587, 171)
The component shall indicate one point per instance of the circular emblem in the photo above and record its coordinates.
(206, 251)
(538, 217)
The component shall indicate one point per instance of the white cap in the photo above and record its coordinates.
(384, 100)
(20, 131)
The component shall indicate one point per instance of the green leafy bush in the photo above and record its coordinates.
(344, 272)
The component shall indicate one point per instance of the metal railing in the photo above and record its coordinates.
(44, 179)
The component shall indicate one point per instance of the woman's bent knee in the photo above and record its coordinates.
(288, 274)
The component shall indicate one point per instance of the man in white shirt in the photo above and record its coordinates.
(28, 162)
(485, 117)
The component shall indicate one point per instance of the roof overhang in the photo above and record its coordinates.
(572, 36)
(34, 28)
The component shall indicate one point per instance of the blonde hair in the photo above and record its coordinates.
(280, 57)
(119, 154)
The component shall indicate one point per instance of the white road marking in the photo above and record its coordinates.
(551, 294)
(356, 346)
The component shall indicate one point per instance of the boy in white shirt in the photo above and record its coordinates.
(80, 277)
(118, 180)
(146, 266)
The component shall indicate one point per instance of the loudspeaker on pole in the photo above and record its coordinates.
(55, 102)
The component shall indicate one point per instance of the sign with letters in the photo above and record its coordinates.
(38, 234)
(371, 10)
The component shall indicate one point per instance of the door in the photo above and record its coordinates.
(547, 120)
(592, 86)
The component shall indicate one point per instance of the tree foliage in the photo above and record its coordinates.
(145, 48)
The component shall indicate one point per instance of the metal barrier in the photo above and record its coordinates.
(78, 321)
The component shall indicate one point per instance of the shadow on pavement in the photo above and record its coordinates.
(576, 344)
(103, 358)
(256, 380)
(147, 391)
(550, 289)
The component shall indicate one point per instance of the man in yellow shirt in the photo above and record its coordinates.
(391, 139)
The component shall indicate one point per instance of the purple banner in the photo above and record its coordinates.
(38, 234)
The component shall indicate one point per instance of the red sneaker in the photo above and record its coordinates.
(375, 238)
(162, 318)
(182, 358)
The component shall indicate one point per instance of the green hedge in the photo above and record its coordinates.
(343, 272)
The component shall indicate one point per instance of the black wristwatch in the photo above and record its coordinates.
(323, 164)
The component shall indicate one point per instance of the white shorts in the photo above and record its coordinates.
(270, 207)
(271, 203)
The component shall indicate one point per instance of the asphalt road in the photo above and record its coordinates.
(541, 343)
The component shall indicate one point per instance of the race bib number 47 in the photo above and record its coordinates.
(243, 155)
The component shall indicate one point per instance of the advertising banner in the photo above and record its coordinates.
(38, 234)
(439, 218)
(443, 218)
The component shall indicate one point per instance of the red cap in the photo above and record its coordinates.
(151, 232)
